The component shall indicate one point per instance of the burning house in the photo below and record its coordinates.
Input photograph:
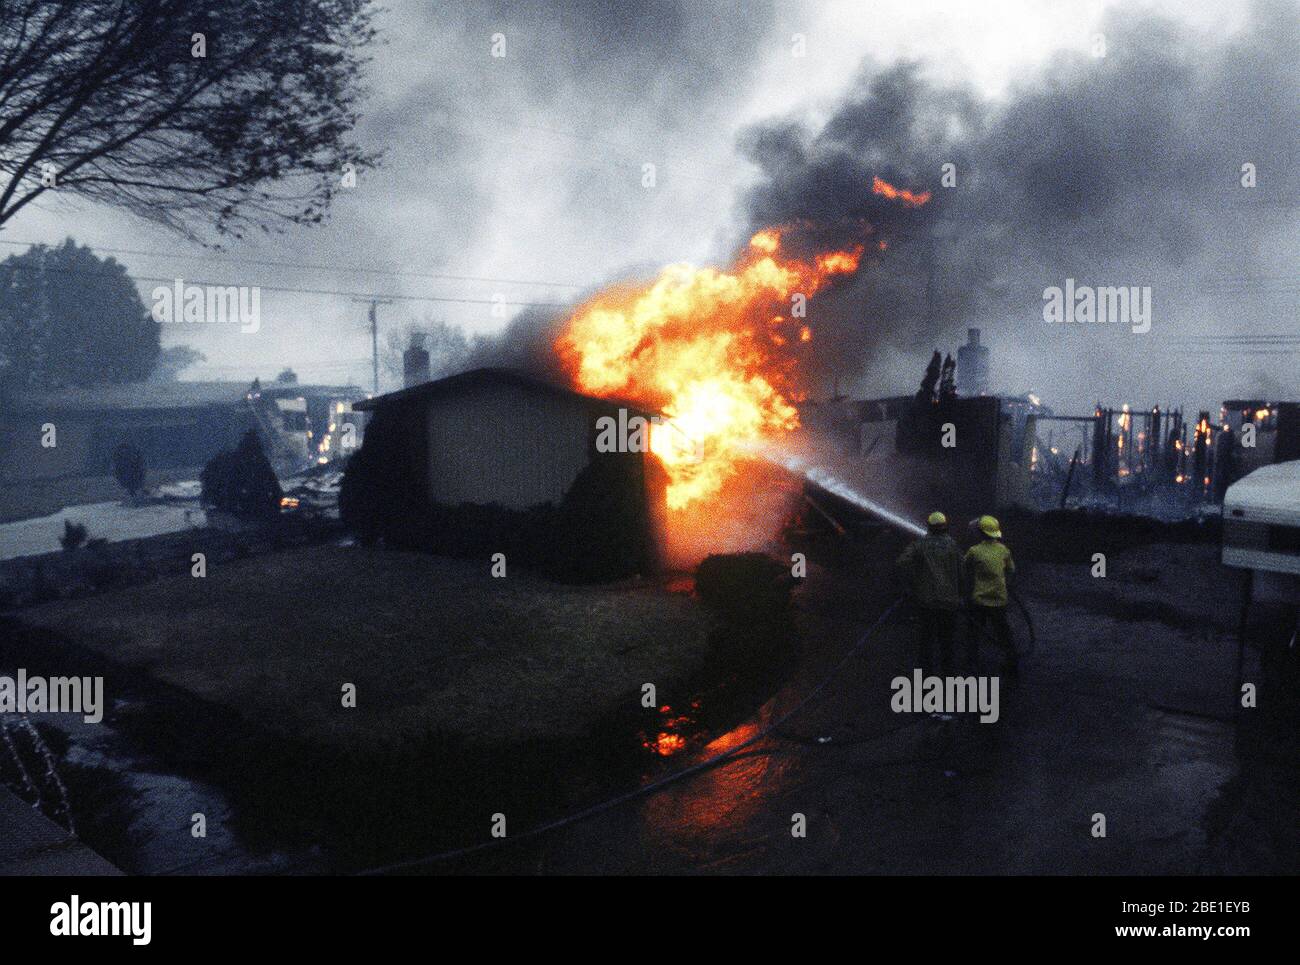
(466, 464)
(1155, 459)
(950, 444)
(967, 455)
(497, 461)
(307, 423)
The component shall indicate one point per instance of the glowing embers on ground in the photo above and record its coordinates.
(673, 731)
(665, 744)
(712, 349)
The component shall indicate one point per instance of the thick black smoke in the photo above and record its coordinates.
(1116, 170)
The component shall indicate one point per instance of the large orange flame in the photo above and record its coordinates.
(712, 349)
(705, 347)
(909, 198)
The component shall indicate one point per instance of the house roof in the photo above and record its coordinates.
(292, 390)
(160, 395)
(141, 395)
(486, 376)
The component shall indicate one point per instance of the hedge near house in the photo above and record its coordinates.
(241, 482)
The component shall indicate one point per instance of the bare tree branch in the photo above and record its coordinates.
(204, 117)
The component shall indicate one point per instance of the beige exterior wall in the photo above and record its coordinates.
(505, 444)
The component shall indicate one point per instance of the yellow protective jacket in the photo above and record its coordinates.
(986, 567)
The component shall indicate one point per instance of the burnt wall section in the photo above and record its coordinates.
(962, 476)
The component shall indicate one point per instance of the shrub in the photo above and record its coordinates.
(602, 527)
(241, 481)
(74, 534)
(378, 495)
(745, 587)
(128, 467)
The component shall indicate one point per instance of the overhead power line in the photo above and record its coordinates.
(314, 267)
(333, 292)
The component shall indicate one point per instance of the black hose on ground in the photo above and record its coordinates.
(775, 729)
(770, 730)
(1029, 622)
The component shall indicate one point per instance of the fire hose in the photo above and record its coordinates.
(772, 729)
(1029, 621)
(819, 478)
(824, 741)
(775, 728)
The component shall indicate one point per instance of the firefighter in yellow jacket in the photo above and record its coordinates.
(986, 567)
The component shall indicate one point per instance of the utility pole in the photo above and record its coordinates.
(374, 334)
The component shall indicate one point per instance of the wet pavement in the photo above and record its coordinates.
(1114, 715)
(161, 806)
(1124, 709)
(32, 844)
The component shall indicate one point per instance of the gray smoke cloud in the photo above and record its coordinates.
(1116, 170)
(586, 94)
(516, 178)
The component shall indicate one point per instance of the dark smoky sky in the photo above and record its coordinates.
(527, 171)
(1116, 170)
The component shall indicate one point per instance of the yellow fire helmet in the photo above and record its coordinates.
(989, 527)
(936, 520)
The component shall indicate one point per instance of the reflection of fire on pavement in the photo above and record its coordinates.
(730, 794)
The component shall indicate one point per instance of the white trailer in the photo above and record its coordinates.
(1261, 535)
(1261, 522)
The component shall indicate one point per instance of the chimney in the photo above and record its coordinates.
(973, 365)
(415, 364)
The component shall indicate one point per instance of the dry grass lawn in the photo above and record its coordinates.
(430, 643)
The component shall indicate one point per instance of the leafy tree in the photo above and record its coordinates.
(449, 350)
(241, 481)
(931, 380)
(69, 318)
(173, 360)
(128, 467)
(233, 113)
